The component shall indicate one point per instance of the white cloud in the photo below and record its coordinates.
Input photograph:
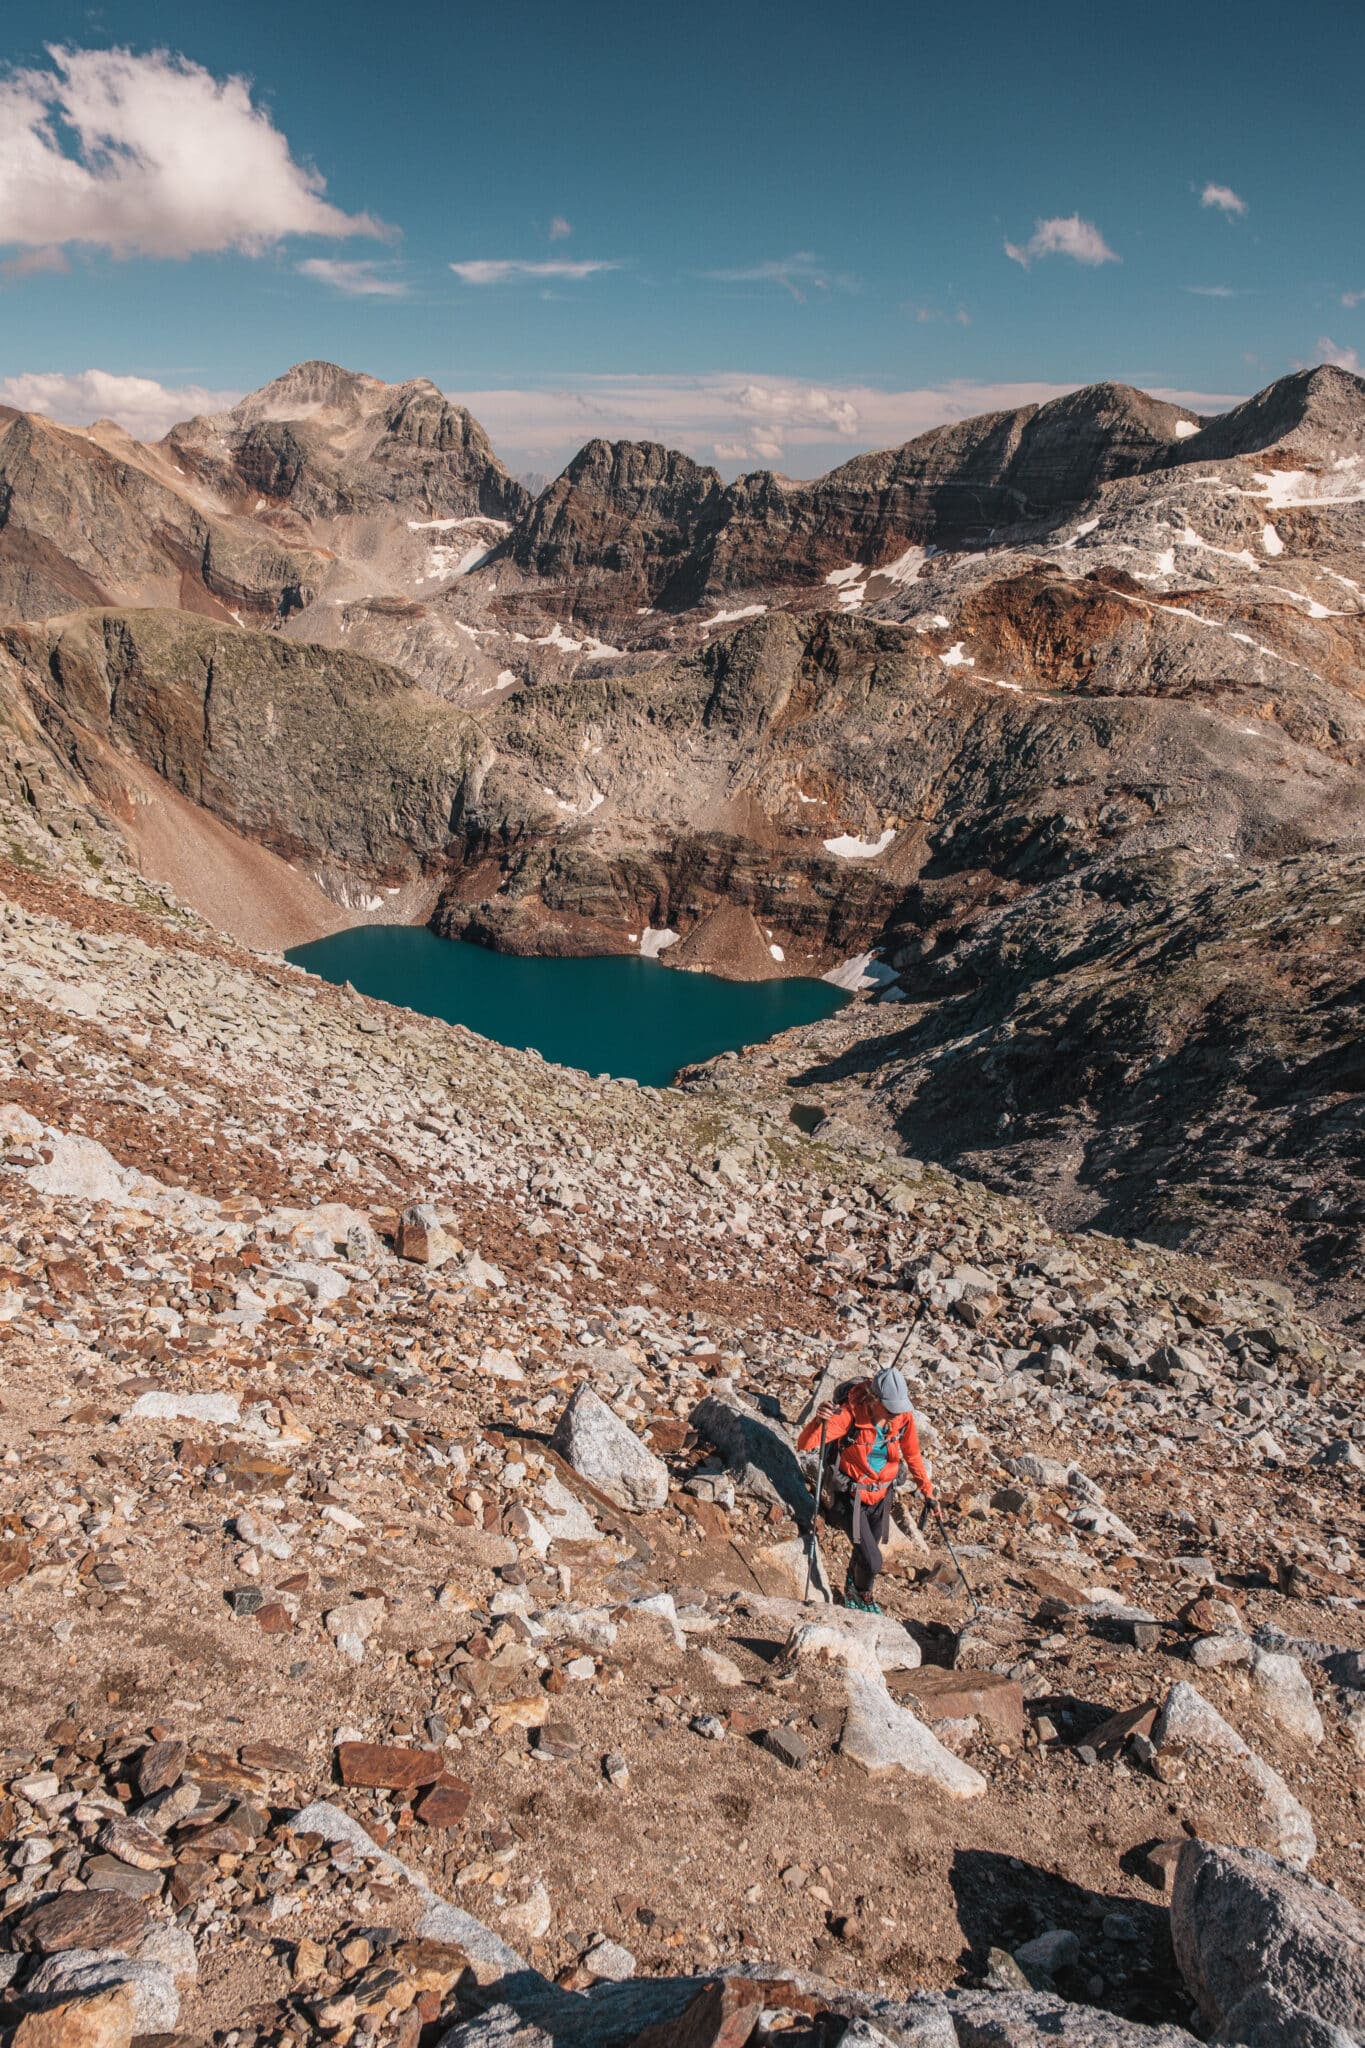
(1211, 291)
(745, 418)
(1064, 235)
(799, 275)
(508, 269)
(560, 229)
(355, 280)
(1353, 298)
(150, 156)
(1224, 198)
(1339, 358)
(140, 404)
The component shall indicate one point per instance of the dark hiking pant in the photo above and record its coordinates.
(866, 1524)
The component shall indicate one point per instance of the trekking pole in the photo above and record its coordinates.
(931, 1507)
(815, 1518)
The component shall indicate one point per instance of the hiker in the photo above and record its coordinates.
(874, 1424)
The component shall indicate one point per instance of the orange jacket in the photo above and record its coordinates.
(855, 1424)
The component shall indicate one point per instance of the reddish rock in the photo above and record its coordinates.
(105, 2020)
(1108, 1739)
(162, 1764)
(445, 1804)
(989, 1697)
(722, 2015)
(82, 1920)
(1156, 1863)
(386, 1769)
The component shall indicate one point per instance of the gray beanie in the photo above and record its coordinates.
(890, 1389)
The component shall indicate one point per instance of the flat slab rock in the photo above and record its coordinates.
(882, 1736)
(387, 1769)
(1188, 1721)
(989, 1697)
(82, 1920)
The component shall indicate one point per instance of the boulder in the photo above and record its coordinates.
(783, 1572)
(601, 1447)
(882, 1736)
(108, 2020)
(1187, 1720)
(864, 1642)
(989, 1697)
(1033, 2019)
(84, 1973)
(1265, 2018)
(80, 1170)
(422, 1238)
(1241, 1919)
(759, 1456)
(1285, 1695)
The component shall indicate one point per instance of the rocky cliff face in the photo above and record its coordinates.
(326, 444)
(87, 520)
(328, 760)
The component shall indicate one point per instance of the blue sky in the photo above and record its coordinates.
(773, 235)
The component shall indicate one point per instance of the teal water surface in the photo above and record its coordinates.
(611, 1016)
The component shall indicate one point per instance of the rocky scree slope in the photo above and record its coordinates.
(400, 1503)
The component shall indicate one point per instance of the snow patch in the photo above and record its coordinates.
(777, 954)
(955, 658)
(1185, 430)
(906, 567)
(846, 847)
(1270, 541)
(865, 970)
(1283, 488)
(557, 637)
(854, 573)
(653, 942)
(1086, 526)
(748, 611)
(584, 809)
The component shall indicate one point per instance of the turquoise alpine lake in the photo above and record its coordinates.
(610, 1015)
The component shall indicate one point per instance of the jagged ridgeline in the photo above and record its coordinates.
(1060, 709)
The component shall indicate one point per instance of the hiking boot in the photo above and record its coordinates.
(861, 1603)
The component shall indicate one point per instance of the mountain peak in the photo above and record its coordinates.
(1322, 410)
(307, 388)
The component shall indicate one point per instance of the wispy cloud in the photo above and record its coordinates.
(354, 280)
(142, 405)
(1210, 291)
(1224, 198)
(560, 229)
(799, 275)
(928, 315)
(1352, 299)
(1340, 358)
(1064, 235)
(510, 269)
(151, 156)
